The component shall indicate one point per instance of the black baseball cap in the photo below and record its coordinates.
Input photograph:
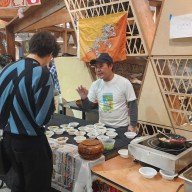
(102, 58)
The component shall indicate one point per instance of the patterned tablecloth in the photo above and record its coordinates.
(71, 173)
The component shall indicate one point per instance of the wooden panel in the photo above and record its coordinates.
(162, 44)
(174, 75)
(146, 23)
(8, 13)
(151, 105)
(125, 172)
(147, 128)
(133, 69)
(185, 133)
(10, 41)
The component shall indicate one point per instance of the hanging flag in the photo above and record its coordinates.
(5, 3)
(103, 34)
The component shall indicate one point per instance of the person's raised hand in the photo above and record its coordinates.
(83, 92)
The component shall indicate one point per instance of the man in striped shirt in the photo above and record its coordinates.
(23, 115)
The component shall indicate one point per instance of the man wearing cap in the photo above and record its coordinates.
(115, 94)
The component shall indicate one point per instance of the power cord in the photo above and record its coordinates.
(180, 186)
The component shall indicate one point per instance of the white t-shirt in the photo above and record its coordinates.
(112, 97)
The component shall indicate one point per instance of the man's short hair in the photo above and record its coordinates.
(43, 43)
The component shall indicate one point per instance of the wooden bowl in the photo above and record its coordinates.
(78, 103)
(90, 149)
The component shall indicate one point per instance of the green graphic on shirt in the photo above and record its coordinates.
(107, 102)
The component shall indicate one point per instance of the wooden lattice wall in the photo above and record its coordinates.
(170, 63)
(165, 100)
(136, 44)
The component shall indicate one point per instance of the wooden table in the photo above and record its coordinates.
(123, 174)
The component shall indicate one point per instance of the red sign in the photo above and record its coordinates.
(18, 3)
(34, 2)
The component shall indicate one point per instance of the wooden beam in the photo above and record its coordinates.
(8, 13)
(2, 48)
(73, 34)
(145, 21)
(74, 37)
(10, 41)
(32, 15)
(56, 18)
(2, 24)
(65, 39)
(155, 3)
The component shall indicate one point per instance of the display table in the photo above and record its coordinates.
(71, 172)
(123, 174)
(121, 140)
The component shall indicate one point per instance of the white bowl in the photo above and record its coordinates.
(100, 124)
(80, 133)
(72, 131)
(92, 135)
(89, 129)
(110, 129)
(147, 172)
(52, 128)
(79, 139)
(64, 125)
(167, 175)
(102, 137)
(123, 153)
(101, 127)
(130, 135)
(101, 131)
(73, 124)
(111, 134)
(90, 126)
(62, 140)
(49, 134)
(82, 128)
(59, 131)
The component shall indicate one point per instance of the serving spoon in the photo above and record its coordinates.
(164, 134)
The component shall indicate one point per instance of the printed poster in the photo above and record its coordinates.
(181, 26)
(107, 102)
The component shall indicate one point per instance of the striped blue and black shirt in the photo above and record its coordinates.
(33, 102)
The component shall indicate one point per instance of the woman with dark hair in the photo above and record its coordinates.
(27, 103)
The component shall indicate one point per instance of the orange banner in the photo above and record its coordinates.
(103, 34)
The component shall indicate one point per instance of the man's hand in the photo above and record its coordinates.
(83, 92)
(132, 129)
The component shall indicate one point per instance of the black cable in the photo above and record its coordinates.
(180, 186)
